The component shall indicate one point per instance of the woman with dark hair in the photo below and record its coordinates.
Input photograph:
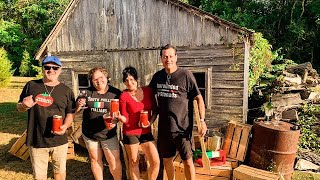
(133, 100)
(98, 138)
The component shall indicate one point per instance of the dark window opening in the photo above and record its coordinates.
(83, 80)
(201, 78)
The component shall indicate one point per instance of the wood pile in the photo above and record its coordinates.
(300, 84)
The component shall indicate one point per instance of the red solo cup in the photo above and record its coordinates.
(107, 121)
(56, 123)
(144, 119)
(114, 105)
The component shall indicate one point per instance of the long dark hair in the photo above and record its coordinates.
(129, 71)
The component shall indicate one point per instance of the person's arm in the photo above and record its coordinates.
(154, 108)
(202, 112)
(123, 109)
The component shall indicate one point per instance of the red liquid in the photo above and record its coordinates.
(56, 123)
(144, 119)
(114, 105)
(107, 121)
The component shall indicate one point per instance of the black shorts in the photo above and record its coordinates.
(170, 143)
(134, 139)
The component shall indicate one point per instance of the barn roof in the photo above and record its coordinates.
(182, 6)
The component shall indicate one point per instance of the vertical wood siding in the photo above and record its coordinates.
(97, 25)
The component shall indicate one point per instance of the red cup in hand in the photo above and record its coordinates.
(56, 123)
(114, 103)
(144, 119)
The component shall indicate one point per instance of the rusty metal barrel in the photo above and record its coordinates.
(274, 147)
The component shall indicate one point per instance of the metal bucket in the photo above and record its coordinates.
(274, 147)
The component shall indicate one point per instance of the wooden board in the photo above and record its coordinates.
(236, 140)
(70, 154)
(19, 148)
(244, 172)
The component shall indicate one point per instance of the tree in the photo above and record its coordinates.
(25, 68)
(5, 68)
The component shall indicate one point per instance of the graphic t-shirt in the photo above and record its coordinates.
(60, 102)
(130, 108)
(98, 104)
(175, 93)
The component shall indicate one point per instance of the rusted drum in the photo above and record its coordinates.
(274, 147)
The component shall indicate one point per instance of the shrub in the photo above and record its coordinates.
(5, 68)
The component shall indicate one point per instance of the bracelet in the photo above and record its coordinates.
(24, 107)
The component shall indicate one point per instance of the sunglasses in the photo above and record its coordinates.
(49, 67)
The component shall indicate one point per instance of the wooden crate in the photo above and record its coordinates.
(70, 154)
(215, 172)
(236, 140)
(244, 172)
(19, 148)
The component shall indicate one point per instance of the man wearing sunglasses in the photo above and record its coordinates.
(44, 99)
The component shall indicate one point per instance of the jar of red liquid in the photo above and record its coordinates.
(56, 123)
(107, 121)
(114, 106)
(144, 118)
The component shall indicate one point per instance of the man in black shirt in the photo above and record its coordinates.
(43, 99)
(175, 89)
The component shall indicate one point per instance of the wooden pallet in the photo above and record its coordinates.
(19, 148)
(244, 172)
(236, 140)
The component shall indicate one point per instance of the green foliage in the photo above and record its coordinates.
(25, 24)
(307, 121)
(25, 68)
(5, 68)
(37, 69)
(291, 26)
(260, 60)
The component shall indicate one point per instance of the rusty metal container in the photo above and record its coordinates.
(274, 147)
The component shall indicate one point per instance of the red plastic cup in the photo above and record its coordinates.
(114, 105)
(144, 119)
(56, 123)
(107, 121)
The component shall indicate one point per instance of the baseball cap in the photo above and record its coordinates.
(53, 59)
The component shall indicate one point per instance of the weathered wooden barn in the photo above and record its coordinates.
(118, 33)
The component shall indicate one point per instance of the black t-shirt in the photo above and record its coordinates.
(61, 102)
(98, 104)
(175, 94)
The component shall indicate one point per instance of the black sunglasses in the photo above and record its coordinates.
(49, 67)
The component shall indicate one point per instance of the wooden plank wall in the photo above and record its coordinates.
(227, 73)
(97, 25)
(227, 79)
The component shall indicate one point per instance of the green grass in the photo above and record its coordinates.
(12, 121)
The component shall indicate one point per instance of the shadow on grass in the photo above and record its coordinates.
(12, 121)
(9, 162)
